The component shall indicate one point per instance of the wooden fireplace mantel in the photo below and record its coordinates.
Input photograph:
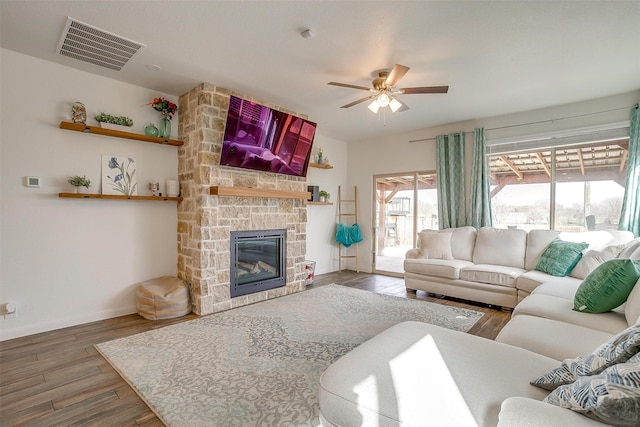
(218, 190)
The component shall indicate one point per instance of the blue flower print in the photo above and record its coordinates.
(123, 182)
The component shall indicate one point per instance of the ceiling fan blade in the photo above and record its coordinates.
(425, 89)
(349, 86)
(403, 106)
(396, 74)
(351, 104)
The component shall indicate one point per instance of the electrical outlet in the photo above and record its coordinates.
(10, 310)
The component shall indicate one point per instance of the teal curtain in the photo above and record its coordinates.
(480, 196)
(450, 180)
(630, 215)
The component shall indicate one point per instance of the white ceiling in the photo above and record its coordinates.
(498, 57)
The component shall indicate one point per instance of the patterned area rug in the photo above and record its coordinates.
(259, 365)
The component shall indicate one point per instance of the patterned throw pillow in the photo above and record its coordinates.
(612, 397)
(560, 257)
(607, 287)
(620, 348)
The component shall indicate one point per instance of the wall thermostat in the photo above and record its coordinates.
(33, 181)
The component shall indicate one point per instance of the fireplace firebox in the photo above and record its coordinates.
(258, 261)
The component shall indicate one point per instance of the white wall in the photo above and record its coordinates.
(322, 219)
(67, 261)
(396, 154)
(70, 261)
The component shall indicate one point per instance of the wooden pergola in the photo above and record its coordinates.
(593, 162)
(589, 162)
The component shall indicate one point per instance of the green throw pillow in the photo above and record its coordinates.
(608, 286)
(560, 257)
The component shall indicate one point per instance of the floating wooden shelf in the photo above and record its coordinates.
(116, 196)
(319, 203)
(258, 192)
(79, 127)
(320, 165)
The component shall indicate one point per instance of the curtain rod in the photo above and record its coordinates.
(536, 123)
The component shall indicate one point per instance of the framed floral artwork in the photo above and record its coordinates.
(119, 176)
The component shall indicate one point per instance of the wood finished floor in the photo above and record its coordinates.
(58, 379)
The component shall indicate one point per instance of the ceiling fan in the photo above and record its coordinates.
(385, 92)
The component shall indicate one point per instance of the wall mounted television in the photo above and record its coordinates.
(260, 138)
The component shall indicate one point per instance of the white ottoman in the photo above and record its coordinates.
(416, 374)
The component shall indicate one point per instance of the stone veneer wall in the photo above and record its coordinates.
(205, 221)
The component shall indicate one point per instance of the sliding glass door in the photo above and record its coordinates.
(404, 204)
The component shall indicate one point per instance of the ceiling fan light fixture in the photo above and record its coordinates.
(384, 89)
(383, 100)
(394, 104)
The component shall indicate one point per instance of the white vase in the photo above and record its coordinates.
(173, 188)
(323, 199)
(81, 190)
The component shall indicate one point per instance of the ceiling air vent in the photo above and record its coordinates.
(95, 46)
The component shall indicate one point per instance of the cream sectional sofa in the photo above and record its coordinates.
(491, 265)
(419, 374)
(416, 374)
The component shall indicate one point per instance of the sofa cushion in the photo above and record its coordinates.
(617, 349)
(560, 257)
(416, 374)
(492, 274)
(593, 258)
(463, 241)
(537, 242)
(524, 412)
(635, 255)
(564, 287)
(612, 397)
(435, 244)
(632, 307)
(449, 269)
(597, 239)
(500, 247)
(530, 280)
(608, 286)
(552, 338)
(560, 309)
(630, 248)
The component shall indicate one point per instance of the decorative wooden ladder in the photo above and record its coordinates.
(351, 212)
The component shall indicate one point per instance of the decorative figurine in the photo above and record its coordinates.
(79, 113)
(154, 187)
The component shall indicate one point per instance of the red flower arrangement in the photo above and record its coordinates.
(165, 106)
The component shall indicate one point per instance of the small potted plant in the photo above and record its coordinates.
(81, 183)
(108, 121)
(324, 196)
(320, 155)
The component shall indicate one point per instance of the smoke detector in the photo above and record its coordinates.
(99, 47)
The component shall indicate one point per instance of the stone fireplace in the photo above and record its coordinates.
(205, 221)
